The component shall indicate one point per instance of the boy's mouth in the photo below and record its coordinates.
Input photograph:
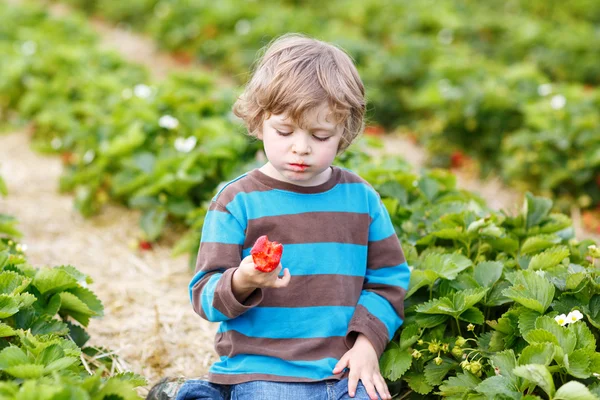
(298, 167)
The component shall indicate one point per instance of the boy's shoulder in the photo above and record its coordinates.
(227, 191)
(348, 176)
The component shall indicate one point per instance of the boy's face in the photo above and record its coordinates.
(301, 156)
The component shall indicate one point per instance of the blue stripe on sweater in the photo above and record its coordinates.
(382, 309)
(276, 202)
(323, 258)
(222, 227)
(208, 295)
(292, 322)
(256, 364)
(391, 276)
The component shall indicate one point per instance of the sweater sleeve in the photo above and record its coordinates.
(380, 309)
(219, 257)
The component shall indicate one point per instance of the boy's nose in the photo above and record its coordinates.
(301, 146)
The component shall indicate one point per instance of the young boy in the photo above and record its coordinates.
(317, 329)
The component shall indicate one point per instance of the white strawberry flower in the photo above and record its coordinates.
(574, 316)
(28, 48)
(89, 156)
(243, 27)
(561, 319)
(545, 89)
(142, 91)
(557, 102)
(56, 143)
(168, 122)
(184, 145)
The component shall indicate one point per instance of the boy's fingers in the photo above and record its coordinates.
(339, 367)
(285, 279)
(382, 388)
(352, 384)
(370, 389)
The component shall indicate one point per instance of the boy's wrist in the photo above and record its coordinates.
(240, 287)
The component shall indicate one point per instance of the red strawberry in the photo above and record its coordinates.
(457, 159)
(145, 245)
(374, 130)
(266, 255)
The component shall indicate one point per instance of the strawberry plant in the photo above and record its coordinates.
(43, 316)
(497, 305)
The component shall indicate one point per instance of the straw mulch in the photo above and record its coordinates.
(149, 323)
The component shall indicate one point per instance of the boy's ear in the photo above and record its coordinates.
(259, 134)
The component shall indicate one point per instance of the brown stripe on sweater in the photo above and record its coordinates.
(366, 323)
(213, 255)
(385, 253)
(232, 343)
(256, 181)
(336, 227)
(233, 379)
(315, 290)
(393, 294)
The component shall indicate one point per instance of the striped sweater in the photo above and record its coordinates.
(348, 276)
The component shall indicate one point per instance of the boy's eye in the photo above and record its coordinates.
(322, 139)
(283, 133)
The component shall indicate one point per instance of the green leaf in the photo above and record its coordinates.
(429, 187)
(430, 321)
(131, 377)
(460, 384)
(410, 334)
(498, 385)
(549, 258)
(78, 334)
(419, 279)
(53, 280)
(73, 306)
(506, 362)
(447, 266)
(26, 371)
(531, 290)
(472, 315)
(585, 337)
(577, 363)
(573, 280)
(6, 330)
(11, 356)
(153, 222)
(535, 209)
(417, 382)
(60, 364)
(9, 305)
(12, 282)
(574, 391)
(459, 303)
(125, 143)
(487, 273)
(527, 320)
(435, 374)
(394, 362)
(537, 243)
(541, 353)
(536, 336)
(4, 257)
(566, 338)
(537, 374)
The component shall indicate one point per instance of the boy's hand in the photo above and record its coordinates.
(363, 364)
(247, 278)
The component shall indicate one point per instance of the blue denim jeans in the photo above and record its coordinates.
(267, 390)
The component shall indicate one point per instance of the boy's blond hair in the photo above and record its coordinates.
(295, 75)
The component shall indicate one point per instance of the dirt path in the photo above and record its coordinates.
(148, 318)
